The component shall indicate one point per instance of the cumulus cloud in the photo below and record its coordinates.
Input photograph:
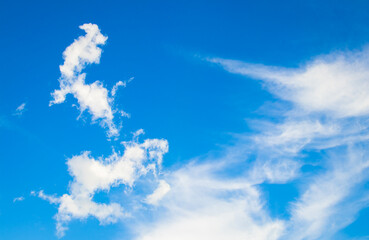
(92, 175)
(20, 109)
(94, 97)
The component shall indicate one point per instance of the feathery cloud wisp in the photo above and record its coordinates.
(18, 199)
(330, 102)
(330, 201)
(159, 193)
(20, 109)
(203, 205)
(335, 84)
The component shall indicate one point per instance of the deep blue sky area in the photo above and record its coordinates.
(175, 94)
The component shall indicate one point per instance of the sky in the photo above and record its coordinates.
(162, 120)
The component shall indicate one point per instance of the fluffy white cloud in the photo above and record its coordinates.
(92, 175)
(93, 97)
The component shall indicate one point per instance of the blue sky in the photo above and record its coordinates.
(228, 120)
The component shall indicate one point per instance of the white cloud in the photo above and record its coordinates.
(205, 204)
(159, 193)
(20, 109)
(330, 101)
(279, 170)
(18, 199)
(202, 205)
(92, 175)
(93, 97)
(116, 86)
(334, 84)
(120, 84)
(327, 204)
(293, 135)
(329, 96)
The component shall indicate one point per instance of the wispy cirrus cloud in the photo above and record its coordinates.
(20, 109)
(328, 105)
(324, 114)
(204, 205)
(334, 84)
(162, 189)
(94, 97)
(18, 199)
(206, 202)
(328, 95)
(332, 199)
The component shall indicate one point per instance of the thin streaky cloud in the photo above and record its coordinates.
(18, 199)
(203, 205)
(20, 109)
(335, 84)
(160, 192)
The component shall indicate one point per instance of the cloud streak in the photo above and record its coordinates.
(18, 199)
(334, 84)
(20, 109)
(203, 205)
